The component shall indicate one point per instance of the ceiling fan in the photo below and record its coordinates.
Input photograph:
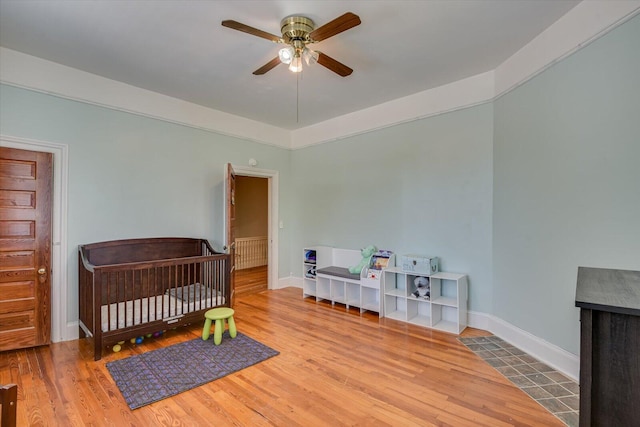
(298, 32)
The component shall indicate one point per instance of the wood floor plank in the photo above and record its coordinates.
(250, 280)
(336, 367)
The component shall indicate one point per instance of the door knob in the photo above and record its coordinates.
(42, 271)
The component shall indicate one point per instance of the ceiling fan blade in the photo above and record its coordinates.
(333, 65)
(268, 66)
(338, 25)
(235, 25)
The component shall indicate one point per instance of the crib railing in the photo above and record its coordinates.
(251, 252)
(134, 294)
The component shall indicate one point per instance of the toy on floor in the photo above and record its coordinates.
(367, 253)
(137, 340)
(423, 288)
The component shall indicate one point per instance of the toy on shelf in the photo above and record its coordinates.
(367, 253)
(423, 288)
(311, 272)
(379, 261)
(310, 257)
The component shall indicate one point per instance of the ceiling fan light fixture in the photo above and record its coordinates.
(286, 55)
(310, 56)
(296, 64)
(298, 31)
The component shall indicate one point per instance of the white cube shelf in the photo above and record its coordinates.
(445, 310)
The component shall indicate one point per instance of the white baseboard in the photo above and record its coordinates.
(550, 354)
(71, 332)
(554, 356)
(478, 320)
(289, 282)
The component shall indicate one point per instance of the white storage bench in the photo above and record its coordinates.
(333, 281)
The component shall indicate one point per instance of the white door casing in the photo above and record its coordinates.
(61, 328)
(273, 217)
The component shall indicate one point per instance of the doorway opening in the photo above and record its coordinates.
(254, 280)
(251, 235)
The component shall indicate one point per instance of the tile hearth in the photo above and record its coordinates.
(551, 389)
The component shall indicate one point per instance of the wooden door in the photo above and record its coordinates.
(25, 248)
(231, 224)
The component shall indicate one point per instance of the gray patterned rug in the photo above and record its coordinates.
(158, 374)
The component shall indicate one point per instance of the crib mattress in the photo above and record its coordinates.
(162, 307)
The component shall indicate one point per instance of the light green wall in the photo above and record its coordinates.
(132, 176)
(422, 187)
(517, 193)
(566, 183)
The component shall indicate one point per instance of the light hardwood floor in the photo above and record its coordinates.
(250, 280)
(335, 368)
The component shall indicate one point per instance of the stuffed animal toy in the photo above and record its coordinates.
(423, 289)
(367, 253)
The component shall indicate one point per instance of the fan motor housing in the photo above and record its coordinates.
(296, 28)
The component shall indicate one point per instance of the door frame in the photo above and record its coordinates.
(272, 212)
(61, 328)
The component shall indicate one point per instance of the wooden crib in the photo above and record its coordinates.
(130, 288)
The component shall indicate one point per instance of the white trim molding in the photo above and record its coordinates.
(290, 282)
(461, 94)
(61, 328)
(554, 356)
(29, 72)
(586, 22)
(583, 24)
(273, 203)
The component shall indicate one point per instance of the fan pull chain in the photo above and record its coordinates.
(297, 96)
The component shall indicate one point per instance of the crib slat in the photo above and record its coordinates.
(108, 285)
(135, 312)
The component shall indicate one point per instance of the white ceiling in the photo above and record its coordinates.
(179, 48)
